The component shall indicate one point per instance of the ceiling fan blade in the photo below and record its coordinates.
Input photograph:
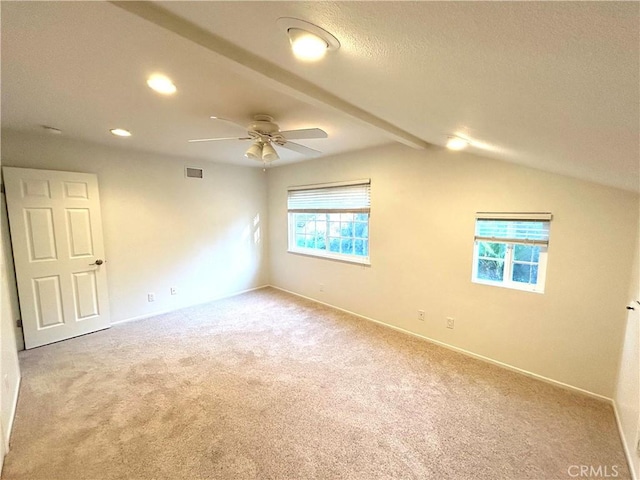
(227, 120)
(216, 139)
(304, 133)
(296, 147)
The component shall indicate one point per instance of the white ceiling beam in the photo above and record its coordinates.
(276, 76)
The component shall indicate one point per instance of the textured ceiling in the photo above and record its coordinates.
(82, 67)
(552, 85)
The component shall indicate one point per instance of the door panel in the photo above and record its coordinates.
(48, 301)
(56, 233)
(35, 188)
(39, 232)
(79, 228)
(76, 190)
(85, 293)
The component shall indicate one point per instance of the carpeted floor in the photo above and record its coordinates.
(269, 386)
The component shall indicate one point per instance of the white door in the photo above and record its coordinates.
(56, 233)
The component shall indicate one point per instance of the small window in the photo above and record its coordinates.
(510, 250)
(330, 220)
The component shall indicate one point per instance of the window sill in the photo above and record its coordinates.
(511, 286)
(338, 258)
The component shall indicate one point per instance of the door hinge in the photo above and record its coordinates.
(19, 323)
(1, 187)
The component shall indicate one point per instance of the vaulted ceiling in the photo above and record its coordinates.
(551, 85)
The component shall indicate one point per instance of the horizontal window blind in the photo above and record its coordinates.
(523, 216)
(331, 198)
(518, 228)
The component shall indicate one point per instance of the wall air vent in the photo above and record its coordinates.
(192, 172)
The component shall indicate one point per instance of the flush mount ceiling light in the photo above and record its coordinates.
(161, 84)
(120, 132)
(308, 41)
(457, 143)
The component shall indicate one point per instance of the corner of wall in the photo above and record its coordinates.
(9, 366)
(626, 401)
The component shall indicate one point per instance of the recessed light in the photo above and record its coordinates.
(457, 143)
(53, 130)
(308, 41)
(307, 46)
(120, 132)
(161, 84)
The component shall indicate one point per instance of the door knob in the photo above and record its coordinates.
(629, 307)
(98, 262)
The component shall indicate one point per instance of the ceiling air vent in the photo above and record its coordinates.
(192, 172)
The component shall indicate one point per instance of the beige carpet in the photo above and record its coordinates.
(269, 386)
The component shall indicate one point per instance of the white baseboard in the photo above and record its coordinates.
(627, 450)
(468, 353)
(12, 416)
(162, 312)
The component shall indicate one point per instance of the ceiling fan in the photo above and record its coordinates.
(264, 133)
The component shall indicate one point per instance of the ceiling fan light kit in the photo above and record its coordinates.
(262, 151)
(269, 153)
(309, 42)
(254, 152)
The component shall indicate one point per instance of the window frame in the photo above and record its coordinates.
(509, 262)
(362, 206)
(510, 244)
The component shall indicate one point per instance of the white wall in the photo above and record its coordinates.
(160, 228)
(9, 367)
(627, 395)
(422, 226)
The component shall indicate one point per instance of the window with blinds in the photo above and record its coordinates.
(330, 220)
(510, 250)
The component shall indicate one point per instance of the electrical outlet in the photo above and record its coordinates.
(174, 290)
(322, 287)
(151, 297)
(450, 322)
(421, 315)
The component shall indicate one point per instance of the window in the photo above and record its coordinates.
(330, 220)
(510, 250)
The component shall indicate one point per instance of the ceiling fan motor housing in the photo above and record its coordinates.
(263, 124)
